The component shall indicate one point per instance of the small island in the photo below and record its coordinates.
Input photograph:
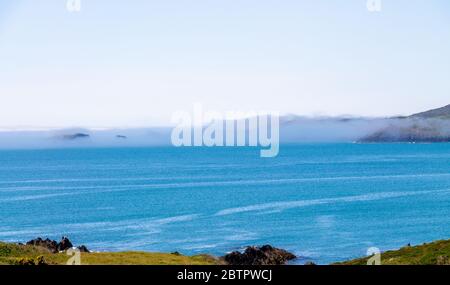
(76, 136)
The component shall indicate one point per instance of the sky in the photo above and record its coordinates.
(134, 63)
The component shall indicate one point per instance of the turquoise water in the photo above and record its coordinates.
(324, 202)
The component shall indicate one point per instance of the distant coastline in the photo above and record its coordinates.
(426, 127)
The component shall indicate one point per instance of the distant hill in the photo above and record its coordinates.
(411, 131)
(440, 113)
(429, 126)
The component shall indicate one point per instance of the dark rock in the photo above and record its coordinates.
(310, 263)
(40, 260)
(76, 136)
(64, 244)
(25, 262)
(53, 246)
(48, 244)
(176, 253)
(265, 255)
(83, 248)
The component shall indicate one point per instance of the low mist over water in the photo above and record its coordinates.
(293, 129)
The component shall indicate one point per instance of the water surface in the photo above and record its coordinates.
(324, 202)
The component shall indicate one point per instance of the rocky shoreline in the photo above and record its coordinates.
(251, 255)
(56, 247)
(264, 255)
(49, 252)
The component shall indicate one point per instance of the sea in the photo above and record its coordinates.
(323, 202)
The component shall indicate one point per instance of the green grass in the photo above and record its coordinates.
(11, 254)
(435, 253)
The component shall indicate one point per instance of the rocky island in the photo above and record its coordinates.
(76, 136)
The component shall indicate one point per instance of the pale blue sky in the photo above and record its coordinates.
(133, 63)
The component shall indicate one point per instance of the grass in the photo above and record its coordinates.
(11, 254)
(435, 253)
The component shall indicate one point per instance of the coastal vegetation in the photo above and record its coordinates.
(19, 254)
(435, 253)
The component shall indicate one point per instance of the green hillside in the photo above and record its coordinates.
(435, 253)
(13, 254)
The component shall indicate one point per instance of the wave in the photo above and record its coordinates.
(280, 206)
(220, 183)
(143, 227)
(34, 197)
(37, 181)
